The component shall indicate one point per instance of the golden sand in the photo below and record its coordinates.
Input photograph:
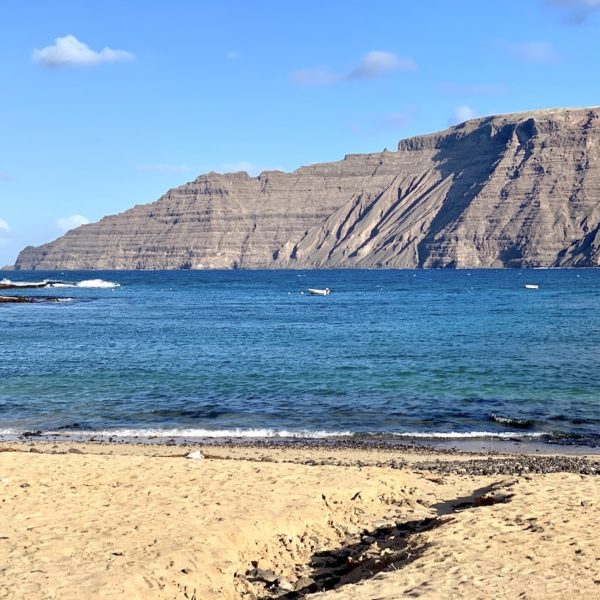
(144, 522)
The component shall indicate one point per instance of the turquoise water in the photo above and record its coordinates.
(250, 353)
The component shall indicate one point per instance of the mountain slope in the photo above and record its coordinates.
(510, 190)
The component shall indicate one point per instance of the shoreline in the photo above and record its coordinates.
(417, 457)
(476, 445)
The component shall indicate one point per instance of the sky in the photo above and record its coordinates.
(104, 105)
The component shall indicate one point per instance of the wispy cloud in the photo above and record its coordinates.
(68, 51)
(315, 76)
(397, 120)
(371, 66)
(67, 223)
(461, 114)
(163, 168)
(375, 63)
(4, 176)
(472, 89)
(4, 228)
(249, 167)
(232, 55)
(576, 11)
(541, 53)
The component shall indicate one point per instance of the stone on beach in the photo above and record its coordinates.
(195, 455)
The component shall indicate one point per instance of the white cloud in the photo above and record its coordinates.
(163, 168)
(461, 114)
(67, 223)
(232, 55)
(375, 63)
(472, 89)
(68, 51)
(541, 53)
(4, 226)
(371, 66)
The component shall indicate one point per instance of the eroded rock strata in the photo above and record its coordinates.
(504, 191)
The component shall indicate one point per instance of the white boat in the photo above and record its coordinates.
(318, 292)
(532, 286)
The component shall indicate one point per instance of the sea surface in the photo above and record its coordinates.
(389, 354)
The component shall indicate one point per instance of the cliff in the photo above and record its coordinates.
(503, 191)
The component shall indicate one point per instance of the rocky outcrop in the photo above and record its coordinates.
(503, 191)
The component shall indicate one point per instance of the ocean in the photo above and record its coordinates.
(390, 354)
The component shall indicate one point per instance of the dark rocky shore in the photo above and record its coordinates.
(479, 465)
(25, 286)
(436, 459)
(27, 299)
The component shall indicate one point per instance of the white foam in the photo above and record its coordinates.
(266, 433)
(87, 283)
(451, 435)
(10, 432)
(23, 283)
(97, 283)
(201, 433)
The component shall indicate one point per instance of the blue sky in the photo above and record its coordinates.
(104, 105)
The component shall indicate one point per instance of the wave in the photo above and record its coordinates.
(451, 435)
(50, 283)
(212, 433)
(86, 283)
(267, 433)
(27, 284)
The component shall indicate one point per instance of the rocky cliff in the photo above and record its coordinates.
(504, 191)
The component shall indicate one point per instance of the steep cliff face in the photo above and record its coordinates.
(511, 190)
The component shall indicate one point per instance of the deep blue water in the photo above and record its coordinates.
(387, 352)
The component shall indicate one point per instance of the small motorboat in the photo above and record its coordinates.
(532, 286)
(318, 292)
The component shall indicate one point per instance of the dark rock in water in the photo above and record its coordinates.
(28, 299)
(512, 422)
(31, 433)
(15, 285)
(515, 190)
(68, 426)
(15, 300)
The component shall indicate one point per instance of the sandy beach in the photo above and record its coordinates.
(141, 521)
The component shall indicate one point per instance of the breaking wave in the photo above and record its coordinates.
(87, 283)
(267, 433)
(50, 283)
(17, 284)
